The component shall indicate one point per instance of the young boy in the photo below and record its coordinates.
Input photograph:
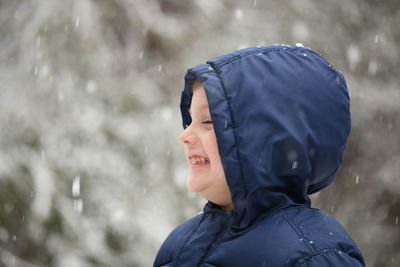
(264, 128)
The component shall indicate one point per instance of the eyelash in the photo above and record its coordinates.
(204, 122)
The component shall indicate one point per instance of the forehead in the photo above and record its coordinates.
(203, 107)
(199, 100)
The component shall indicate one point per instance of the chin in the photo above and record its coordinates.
(193, 185)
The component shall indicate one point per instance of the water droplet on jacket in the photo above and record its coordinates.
(311, 242)
(299, 45)
(304, 54)
(210, 68)
(330, 233)
(337, 79)
(295, 164)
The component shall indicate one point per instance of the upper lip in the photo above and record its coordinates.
(191, 155)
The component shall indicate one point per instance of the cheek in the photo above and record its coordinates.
(211, 146)
(216, 164)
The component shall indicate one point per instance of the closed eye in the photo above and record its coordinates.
(207, 122)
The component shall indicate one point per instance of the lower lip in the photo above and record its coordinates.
(199, 166)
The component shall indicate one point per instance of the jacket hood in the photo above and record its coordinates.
(281, 117)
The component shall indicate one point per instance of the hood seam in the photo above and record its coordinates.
(297, 230)
(265, 52)
(233, 126)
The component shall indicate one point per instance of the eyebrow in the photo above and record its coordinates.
(201, 107)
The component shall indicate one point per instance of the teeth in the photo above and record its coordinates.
(196, 160)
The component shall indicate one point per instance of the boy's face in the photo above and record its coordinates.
(206, 174)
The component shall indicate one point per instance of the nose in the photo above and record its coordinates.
(187, 136)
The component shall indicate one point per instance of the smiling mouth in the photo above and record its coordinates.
(198, 161)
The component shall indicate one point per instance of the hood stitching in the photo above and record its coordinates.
(233, 125)
(324, 251)
(265, 51)
(297, 230)
(196, 75)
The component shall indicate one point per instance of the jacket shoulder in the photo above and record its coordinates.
(176, 240)
(328, 242)
(298, 236)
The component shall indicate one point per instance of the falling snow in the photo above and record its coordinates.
(89, 144)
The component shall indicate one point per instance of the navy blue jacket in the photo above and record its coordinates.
(281, 117)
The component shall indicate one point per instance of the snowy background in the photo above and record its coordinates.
(92, 172)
